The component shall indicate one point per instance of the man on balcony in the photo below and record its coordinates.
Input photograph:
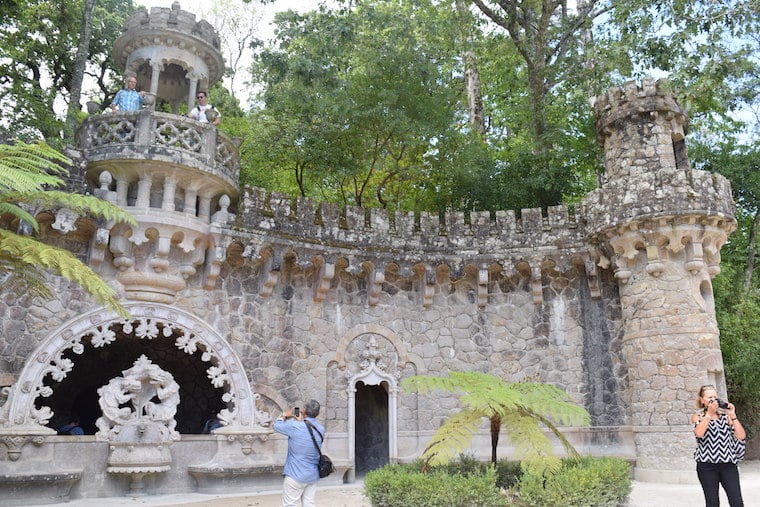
(128, 99)
(204, 112)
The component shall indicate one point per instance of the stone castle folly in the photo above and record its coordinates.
(245, 303)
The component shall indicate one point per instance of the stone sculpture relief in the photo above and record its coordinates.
(141, 404)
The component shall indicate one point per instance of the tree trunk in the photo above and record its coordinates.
(751, 251)
(495, 429)
(80, 64)
(471, 72)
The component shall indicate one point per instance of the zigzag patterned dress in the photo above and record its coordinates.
(719, 445)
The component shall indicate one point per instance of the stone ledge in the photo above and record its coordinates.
(216, 479)
(36, 488)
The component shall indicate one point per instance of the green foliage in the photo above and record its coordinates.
(26, 171)
(355, 104)
(525, 409)
(399, 486)
(582, 482)
(38, 43)
(707, 49)
(507, 472)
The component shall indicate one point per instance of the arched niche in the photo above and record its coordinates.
(26, 405)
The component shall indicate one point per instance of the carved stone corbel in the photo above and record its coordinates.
(695, 262)
(323, 281)
(270, 275)
(592, 275)
(536, 285)
(428, 288)
(376, 281)
(482, 287)
(15, 444)
(655, 266)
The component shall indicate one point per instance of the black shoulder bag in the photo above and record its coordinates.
(325, 465)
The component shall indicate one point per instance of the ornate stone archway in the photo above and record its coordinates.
(148, 320)
(374, 372)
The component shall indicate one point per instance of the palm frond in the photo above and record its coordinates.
(34, 254)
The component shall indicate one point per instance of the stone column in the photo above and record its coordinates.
(660, 225)
(156, 68)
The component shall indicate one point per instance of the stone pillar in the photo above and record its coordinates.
(156, 68)
(192, 91)
(661, 225)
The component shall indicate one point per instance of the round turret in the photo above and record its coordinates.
(641, 129)
(171, 54)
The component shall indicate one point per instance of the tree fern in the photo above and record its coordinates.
(30, 254)
(27, 172)
(525, 409)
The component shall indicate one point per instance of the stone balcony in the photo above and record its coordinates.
(177, 177)
(162, 140)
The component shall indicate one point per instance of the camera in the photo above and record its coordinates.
(297, 412)
(722, 404)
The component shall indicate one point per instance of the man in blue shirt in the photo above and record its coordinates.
(128, 99)
(301, 475)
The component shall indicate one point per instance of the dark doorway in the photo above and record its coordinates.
(75, 396)
(371, 435)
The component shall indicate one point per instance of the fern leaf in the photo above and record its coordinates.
(19, 213)
(82, 204)
(30, 167)
(32, 254)
(451, 438)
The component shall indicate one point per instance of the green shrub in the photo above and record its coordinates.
(583, 482)
(402, 486)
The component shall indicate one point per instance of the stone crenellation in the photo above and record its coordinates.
(480, 231)
(167, 20)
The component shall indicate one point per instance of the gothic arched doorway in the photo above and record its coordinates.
(371, 427)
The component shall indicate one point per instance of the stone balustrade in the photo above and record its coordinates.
(163, 137)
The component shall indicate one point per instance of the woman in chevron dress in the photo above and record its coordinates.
(720, 447)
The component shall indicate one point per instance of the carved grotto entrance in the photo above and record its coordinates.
(64, 374)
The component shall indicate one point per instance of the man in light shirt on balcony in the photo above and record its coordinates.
(128, 99)
(204, 112)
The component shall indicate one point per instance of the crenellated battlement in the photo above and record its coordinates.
(478, 231)
(172, 19)
(631, 99)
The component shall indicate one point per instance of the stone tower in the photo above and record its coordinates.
(660, 225)
(175, 175)
(170, 53)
